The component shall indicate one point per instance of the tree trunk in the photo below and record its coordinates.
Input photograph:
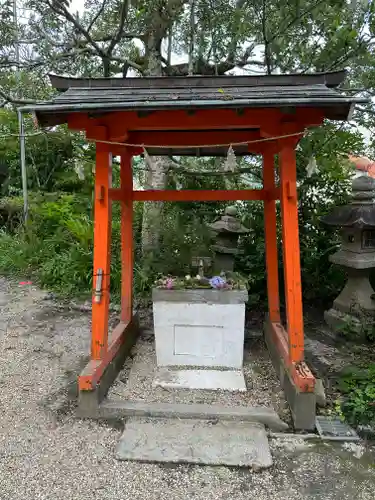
(106, 67)
(156, 173)
(156, 177)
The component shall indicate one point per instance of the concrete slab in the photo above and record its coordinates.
(123, 409)
(203, 442)
(226, 380)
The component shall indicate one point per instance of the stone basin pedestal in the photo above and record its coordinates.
(199, 336)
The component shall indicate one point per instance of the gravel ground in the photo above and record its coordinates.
(46, 453)
(135, 381)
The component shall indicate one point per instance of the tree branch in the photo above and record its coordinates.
(267, 54)
(365, 110)
(14, 100)
(97, 15)
(169, 49)
(283, 29)
(61, 9)
(346, 56)
(234, 41)
(191, 38)
(123, 60)
(123, 17)
(82, 42)
(203, 67)
(7, 63)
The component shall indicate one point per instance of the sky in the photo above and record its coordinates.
(77, 5)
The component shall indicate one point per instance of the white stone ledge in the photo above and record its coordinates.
(200, 295)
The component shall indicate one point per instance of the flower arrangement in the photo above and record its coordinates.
(223, 282)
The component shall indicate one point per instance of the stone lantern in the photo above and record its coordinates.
(228, 229)
(355, 303)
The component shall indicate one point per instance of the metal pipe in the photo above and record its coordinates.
(23, 166)
(20, 118)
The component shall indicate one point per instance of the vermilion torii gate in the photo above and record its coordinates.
(263, 115)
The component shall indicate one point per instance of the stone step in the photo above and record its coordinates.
(231, 443)
(224, 380)
(257, 414)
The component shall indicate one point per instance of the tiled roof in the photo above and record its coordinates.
(145, 95)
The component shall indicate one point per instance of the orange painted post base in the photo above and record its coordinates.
(299, 372)
(98, 375)
(93, 371)
(296, 380)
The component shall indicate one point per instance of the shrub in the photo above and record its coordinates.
(56, 247)
(11, 213)
(357, 384)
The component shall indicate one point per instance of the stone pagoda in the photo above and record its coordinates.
(354, 308)
(228, 229)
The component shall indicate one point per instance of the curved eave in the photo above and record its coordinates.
(339, 108)
(351, 216)
(223, 230)
(330, 79)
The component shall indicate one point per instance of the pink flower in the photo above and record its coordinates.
(169, 283)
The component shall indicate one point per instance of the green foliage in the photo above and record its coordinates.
(251, 262)
(293, 35)
(357, 384)
(51, 158)
(330, 186)
(11, 213)
(357, 326)
(56, 246)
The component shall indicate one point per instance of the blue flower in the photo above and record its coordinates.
(217, 282)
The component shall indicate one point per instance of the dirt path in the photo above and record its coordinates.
(45, 453)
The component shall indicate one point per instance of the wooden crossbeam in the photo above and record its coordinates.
(198, 195)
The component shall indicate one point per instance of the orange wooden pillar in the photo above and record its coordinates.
(126, 176)
(102, 252)
(270, 228)
(291, 251)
